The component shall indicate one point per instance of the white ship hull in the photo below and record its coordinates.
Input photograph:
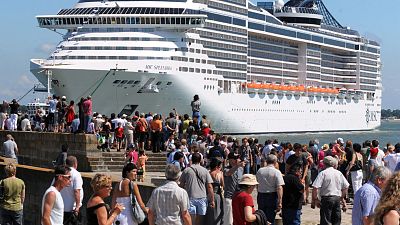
(235, 113)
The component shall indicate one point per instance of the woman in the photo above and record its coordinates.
(97, 212)
(325, 151)
(14, 195)
(70, 115)
(122, 192)
(387, 212)
(355, 168)
(242, 201)
(214, 215)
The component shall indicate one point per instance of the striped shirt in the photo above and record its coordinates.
(168, 202)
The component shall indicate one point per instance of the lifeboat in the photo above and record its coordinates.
(301, 88)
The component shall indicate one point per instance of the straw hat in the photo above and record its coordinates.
(248, 179)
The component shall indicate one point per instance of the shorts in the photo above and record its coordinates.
(119, 139)
(50, 118)
(198, 206)
(142, 136)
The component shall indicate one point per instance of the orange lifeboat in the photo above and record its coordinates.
(251, 85)
(301, 88)
(310, 89)
(285, 88)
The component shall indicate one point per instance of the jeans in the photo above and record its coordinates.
(291, 216)
(267, 202)
(12, 217)
(197, 114)
(246, 169)
(88, 119)
(330, 210)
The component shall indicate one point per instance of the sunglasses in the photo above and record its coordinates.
(66, 176)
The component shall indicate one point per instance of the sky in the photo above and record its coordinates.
(21, 40)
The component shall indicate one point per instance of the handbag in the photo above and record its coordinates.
(138, 214)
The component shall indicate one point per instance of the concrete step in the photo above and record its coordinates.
(155, 163)
(156, 168)
(113, 154)
(100, 163)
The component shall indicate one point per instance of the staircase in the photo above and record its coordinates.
(114, 161)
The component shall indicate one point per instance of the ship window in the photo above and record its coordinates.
(203, 70)
(191, 70)
(197, 70)
(191, 60)
(116, 81)
(303, 36)
(197, 60)
(124, 81)
(136, 82)
(318, 39)
(169, 83)
(158, 83)
(130, 82)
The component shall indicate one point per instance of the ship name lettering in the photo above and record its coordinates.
(158, 67)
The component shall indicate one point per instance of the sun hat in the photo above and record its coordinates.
(248, 179)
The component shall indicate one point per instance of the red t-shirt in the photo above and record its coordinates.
(119, 132)
(239, 201)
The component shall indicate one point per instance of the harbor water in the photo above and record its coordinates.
(388, 132)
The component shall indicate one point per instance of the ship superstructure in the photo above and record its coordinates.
(270, 67)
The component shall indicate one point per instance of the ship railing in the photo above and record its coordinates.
(70, 22)
(302, 10)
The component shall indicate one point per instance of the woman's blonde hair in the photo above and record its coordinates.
(390, 198)
(100, 181)
(10, 169)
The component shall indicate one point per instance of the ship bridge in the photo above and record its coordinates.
(124, 17)
(305, 11)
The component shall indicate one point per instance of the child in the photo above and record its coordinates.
(131, 155)
(141, 165)
(119, 135)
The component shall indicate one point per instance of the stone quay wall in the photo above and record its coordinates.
(41, 148)
(37, 180)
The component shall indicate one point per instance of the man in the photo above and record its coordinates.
(196, 108)
(10, 148)
(197, 181)
(156, 135)
(381, 154)
(87, 111)
(367, 197)
(75, 124)
(270, 179)
(26, 123)
(267, 149)
(232, 175)
(73, 194)
(3, 114)
(13, 197)
(14, 114)
(393, 158)
(52, 111)
(332, 187)
(141, 127)
(173, 211)
(245, 155)
(171, 125)
(52, 202)
(292, 200)
(298, 158)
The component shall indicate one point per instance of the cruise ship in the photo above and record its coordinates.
(265, 67)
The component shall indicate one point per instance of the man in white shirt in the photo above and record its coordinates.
(73, 194)
(26, 123)
(270, 188)
(393, 158)
(381, 154)
(52, 202)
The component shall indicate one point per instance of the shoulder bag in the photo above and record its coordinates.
(138, 214)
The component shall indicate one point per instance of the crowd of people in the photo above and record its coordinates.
(212, 178)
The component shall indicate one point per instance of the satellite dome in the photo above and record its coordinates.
(279, 4)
